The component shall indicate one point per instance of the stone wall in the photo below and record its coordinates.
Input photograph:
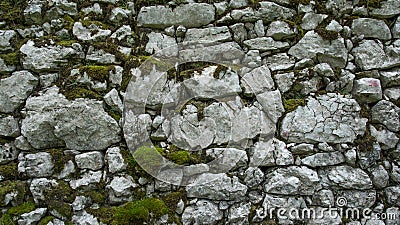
(311, 121)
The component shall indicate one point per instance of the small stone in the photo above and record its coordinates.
(115, 160)
(120, 189)
(379, 176)
(284, 81)
(393, 195)
(280, 61)
(90, 160)
(87, 180)
(386, 113)
(9, 127)
(367, 90)
(6, 37)
(35, 165)
(323, 159)
(265, 44)
(311, 20)
(385, 138)
(390, 78)
(92, 33)
(113, 100)
(280, 30)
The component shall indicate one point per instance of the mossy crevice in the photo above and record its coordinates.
(59, 198)
(9, 171)
(11, 58)
(97, 73)
(19, 187)
(13, 213)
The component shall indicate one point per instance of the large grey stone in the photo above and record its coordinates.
(347, 177)
(282, 202)
(293, 180)
(159, 41)
(371, 28)
(181, 15)
(84, 125)
(387, 9)
(53, 121)
(328, 118)
(386, 113)
(121, 189)
(393, 195)
(371, 55)
(32, 217)
(48, 58)
(314, 46)
(115, 160)
(258, 81)
(35, 165)
(15, 89)
(216, 187)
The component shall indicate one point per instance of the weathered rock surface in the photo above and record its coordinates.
(314, 46)
(347, 177)
(327, 118)
(90, 160)
(35, 165)
(367, 90)
(293, 180)
(9, 127)
(53, 121)
(48, 58)
(216, 187)
(371, 28)
(202, 212)
(15, 89)
(181, 15)
(371, 55)
(386, 113)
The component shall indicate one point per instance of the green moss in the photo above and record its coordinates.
(180, 157)
(9, 171)
(7, 187)
(14, 212)
(59, 159)
(11, 11)
(10, 58)
(66, 43)
(138, 212)
(98, 73)
(327, 34)
(292, 104)
(80, 92)
(150, 158)
(96, 196)
(87, 23)
(46, 220)
(171, 200)
(58, 198)
(104, 214)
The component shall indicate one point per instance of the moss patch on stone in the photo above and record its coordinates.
(59, 159)
(14, 212)
(9, 171)
(7, 187)
(80, 92)
(98, 73)
(59, 197)
(10, 58)
(292, 104)
(138, 212)
(46, 220)
(11, 11)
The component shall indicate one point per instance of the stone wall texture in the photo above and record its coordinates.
(293, 105)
